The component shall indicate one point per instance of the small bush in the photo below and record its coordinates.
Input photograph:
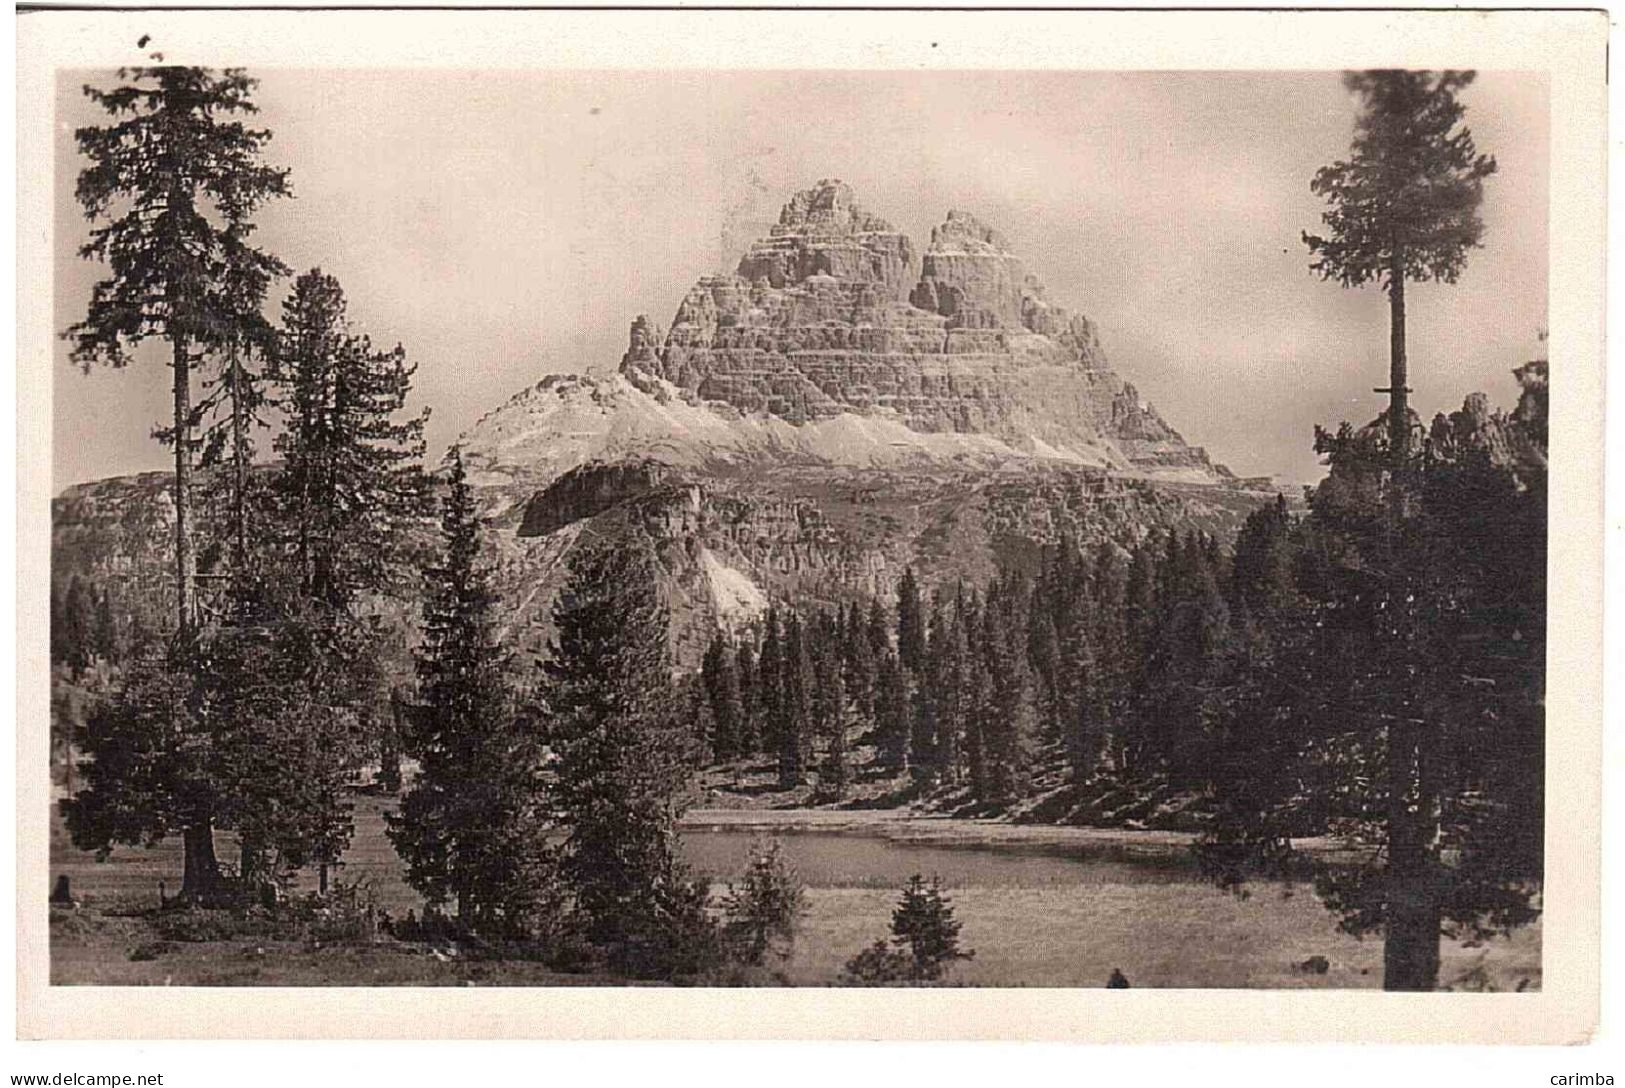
(433, 928)
(924, 935)
(348, 914)
(567, 949)
(880, 963)
(761, 913)
(678, 941)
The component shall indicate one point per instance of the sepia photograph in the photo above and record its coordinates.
(853, 529)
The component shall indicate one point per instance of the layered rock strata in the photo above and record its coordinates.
(828, 315)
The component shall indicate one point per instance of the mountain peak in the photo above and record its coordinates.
(831, 321)
(828, 208)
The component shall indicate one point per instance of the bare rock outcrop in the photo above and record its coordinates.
(829, 316)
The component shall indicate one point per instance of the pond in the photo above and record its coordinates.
(854, 859)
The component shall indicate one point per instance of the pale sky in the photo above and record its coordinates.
(506, 225)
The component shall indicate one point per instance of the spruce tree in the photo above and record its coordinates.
(1142, 610)
(175, 179)
(1261, 573)
(621, 756)
(911, 622)
(945, 674)
(137, 788)
(763, 910)
(79, 625)
(286, 734)
(1082, 723)
(1010, 721)
(472, 830)
(794, 727)
(234, 491)
(1379, 629)
(770, 683)
(1404, 205)
(832, 705)
(923, 926)
(877, 629)
(975, 695)
(894, 715)
(858, 664)
(347, 495)
(750, 699)
(1043, 653)
(1113, 656)
(1187, 653)
(932, 701)
(720, 679)
(349, 484)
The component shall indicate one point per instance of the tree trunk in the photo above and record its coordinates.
(239, 464)
(252, 870)
(1399, 424)
(1412, 912)
(184, 564)
(201, 880)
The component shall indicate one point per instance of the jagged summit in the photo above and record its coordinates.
(832, 323)
(823, 234)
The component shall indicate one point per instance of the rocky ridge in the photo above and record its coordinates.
(830, 343)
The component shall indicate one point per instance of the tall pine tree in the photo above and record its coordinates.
(621, 755)
(349, 483)
(174, 180)
(472, 830)
(720, 678)
(176, 177)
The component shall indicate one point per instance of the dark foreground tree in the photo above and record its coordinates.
(472, 830)
(284, 715)
(174, 180)
(1393, 687)
(1404, 206)
(622, 757)
(139, 788)
(176, 177)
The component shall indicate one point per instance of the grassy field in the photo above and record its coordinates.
(1040, 907)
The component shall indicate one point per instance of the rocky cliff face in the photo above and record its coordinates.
(730, 543)
(835, 410)
(828, 316)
